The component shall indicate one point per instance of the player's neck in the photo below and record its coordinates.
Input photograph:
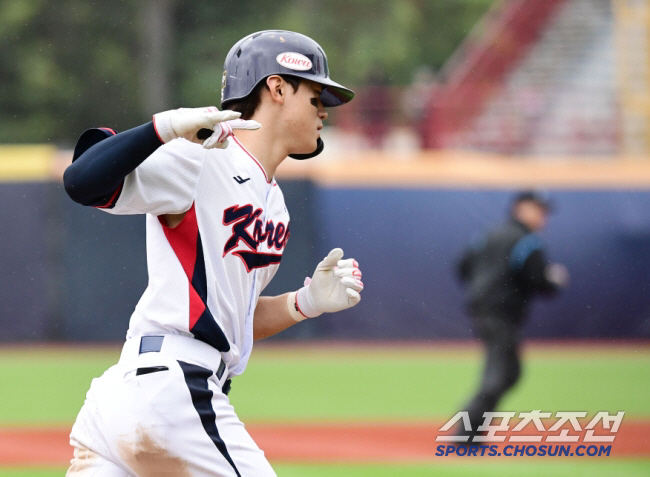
(267, 154)
(265, 143)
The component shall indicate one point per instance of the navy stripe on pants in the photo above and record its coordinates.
(196, 378)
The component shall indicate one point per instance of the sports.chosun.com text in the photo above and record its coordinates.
(523, 450)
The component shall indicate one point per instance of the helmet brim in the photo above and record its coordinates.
(334, 94)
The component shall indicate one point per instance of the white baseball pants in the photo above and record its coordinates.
(162, 413)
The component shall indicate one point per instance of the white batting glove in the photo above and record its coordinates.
(187, 122)
(335, 286)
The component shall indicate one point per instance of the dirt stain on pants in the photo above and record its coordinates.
(146, 458)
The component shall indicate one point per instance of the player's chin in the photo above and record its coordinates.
(306, 148)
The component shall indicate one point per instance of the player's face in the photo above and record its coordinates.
(532, 214)
(305, 115)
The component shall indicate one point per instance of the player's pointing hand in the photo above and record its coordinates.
(335, 286)
(187, 122)
(224, 129)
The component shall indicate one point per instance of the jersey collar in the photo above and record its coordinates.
(268, 181)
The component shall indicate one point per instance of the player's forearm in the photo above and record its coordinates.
(99, 172)
(271, 316)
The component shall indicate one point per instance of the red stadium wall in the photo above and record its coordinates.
(481, 63)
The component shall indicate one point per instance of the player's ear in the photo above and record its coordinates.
(277, 88)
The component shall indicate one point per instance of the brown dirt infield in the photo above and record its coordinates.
(309, 442)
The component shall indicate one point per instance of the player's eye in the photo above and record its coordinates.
(314, 102)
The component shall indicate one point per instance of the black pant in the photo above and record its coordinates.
(502, 365)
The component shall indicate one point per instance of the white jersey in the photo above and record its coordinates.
(206, 274)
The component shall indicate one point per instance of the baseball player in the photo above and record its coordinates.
(216, 228)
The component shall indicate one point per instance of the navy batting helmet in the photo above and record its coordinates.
(277, 52)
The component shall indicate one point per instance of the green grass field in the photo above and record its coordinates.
(599, 468)
(362, 383)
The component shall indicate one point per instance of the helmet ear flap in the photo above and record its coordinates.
(319, 148)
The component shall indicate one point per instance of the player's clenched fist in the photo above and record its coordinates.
(187, 122)
(335, 286)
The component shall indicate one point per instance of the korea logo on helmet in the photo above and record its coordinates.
(294, 61)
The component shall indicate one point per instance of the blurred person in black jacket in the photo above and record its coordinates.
(502, 273)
